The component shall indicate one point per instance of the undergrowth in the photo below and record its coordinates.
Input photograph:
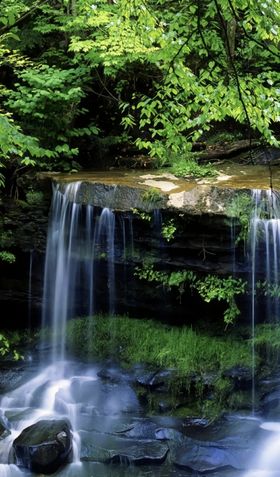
(145, 341)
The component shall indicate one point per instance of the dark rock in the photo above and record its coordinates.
(209, 458)
(156, 379)
(131, 444)
(11, 376)
(44, 446)
(142, 429)
(241, 377)
(164, 406)
(270, 403)
(142, 453)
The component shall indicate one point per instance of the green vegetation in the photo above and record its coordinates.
(268, 289)
(146, 341)
(152, 196)
(142, 215)
(168, 230)
(241, 208)
(7, 346)
(7, 257)
(268, 335)
(159, 75)
(190, 168)
(34, 197)
(210, 287)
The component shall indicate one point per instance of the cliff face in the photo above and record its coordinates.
(200, 218)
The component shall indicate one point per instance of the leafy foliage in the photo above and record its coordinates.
(168, 230)
(7, 257)
(210, 287)
(165, 71)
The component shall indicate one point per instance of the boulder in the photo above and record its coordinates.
(43, 447)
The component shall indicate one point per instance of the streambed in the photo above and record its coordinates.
(112, 436)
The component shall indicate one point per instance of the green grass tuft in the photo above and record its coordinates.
(145, 341)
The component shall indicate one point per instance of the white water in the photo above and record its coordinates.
(79, 243)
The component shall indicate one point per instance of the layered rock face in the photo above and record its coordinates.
(200, 212)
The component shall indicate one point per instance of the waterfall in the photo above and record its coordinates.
(80, 240)
(264, 246)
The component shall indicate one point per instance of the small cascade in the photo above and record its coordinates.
(265, 247)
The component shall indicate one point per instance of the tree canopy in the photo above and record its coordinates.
(156, 73)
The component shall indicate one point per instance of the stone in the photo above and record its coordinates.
(211, 457)
(44, 446)
(241, 377)
(270, 403)
(140, 454)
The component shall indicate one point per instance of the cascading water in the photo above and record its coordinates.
(78, 239)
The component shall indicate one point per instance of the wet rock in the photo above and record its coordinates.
(241, 377)
(153, 380)
(143, 429)
(11, 376)
(44, 446)
(212, 457)
(140, 454)
(270, 404)
(4, 431)
(132, 444)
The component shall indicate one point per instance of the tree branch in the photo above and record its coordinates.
(235, 72)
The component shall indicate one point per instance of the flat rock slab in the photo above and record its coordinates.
(210, 458)
(140, 454)
(109, 448)
(124, 190)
